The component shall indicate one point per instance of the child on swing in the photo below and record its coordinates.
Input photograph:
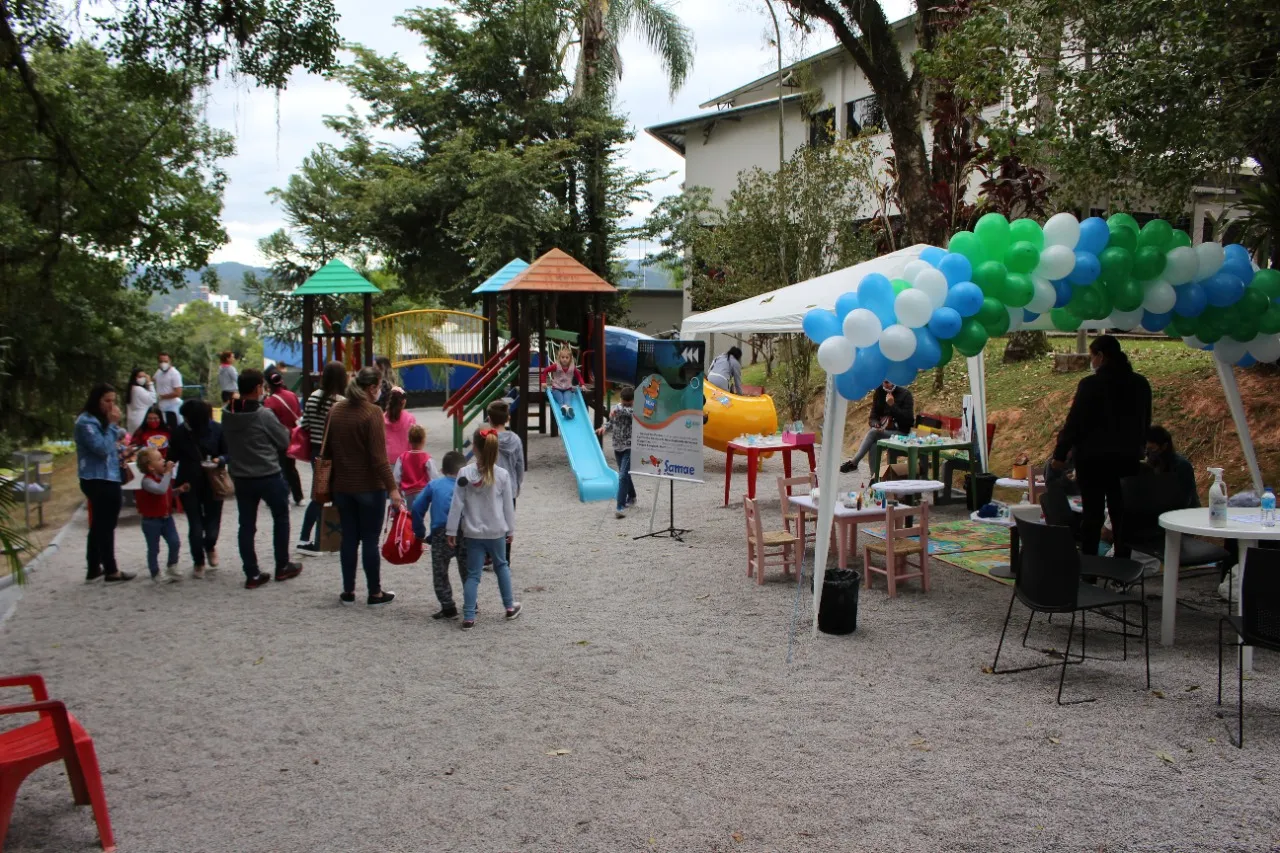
(560, 379)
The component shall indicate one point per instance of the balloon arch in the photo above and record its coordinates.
(1004, 275)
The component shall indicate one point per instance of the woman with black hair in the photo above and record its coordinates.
(315, 415)
(1162, 459)
(1107, 431)
(139, 397)
(100, 455)
(725, 371)
(197, 442)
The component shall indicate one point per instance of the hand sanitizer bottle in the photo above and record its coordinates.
(1217, 500)
(1268, 508)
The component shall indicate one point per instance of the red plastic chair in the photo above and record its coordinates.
(56, 736)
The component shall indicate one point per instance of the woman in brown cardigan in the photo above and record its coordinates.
(362, 482)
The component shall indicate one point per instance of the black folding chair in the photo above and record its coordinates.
(1259, 626)
(1049, 581)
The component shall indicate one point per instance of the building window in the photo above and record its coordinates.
(822, 128)
(863, 115)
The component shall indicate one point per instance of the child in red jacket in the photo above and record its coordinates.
(415, 467)
(155, 505)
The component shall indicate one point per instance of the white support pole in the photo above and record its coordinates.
(828, 487)
(1229, 387)
(978, 390)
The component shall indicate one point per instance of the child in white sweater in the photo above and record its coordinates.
(483, 513)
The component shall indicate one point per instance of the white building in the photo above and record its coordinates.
(739, 129)
(224, 303)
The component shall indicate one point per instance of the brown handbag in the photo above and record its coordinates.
(322, 481)
(220, 483)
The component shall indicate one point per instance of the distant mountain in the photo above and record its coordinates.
(636, 275)
(230, 279)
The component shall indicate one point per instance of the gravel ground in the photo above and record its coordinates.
(273, 720)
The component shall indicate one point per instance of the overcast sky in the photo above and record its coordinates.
(272, 137)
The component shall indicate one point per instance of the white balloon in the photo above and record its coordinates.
(862, 327)
(835, 354)
(913, 307)
(1159, 297)
(1062, 229)
(1265, 348)
(1015, 318)
(913, 269)
(897, 343)
(1056, 262)
(1193, 342)
(1181, 265)
(1229, 350)
(934, 285)
(1209, 257)
(1125, 320)
(1045, 296)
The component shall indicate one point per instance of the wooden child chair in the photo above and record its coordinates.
(897, 546)
(768, 547)
(789, 515)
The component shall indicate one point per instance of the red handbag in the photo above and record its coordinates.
(401, 546)
(299, 444)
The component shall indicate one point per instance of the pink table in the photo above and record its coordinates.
(846, 523)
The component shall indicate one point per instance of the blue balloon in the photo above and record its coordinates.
(1086, 270)
(1156, 322)
(900, 373)
(1223, 289)
(1234, 253)
(1063, 288)
(1028, 317)
(820, 324)
(869, 366)
(875, 293)
(928, 353)
(848, 386)
(966, 298)
(956, 268)
(945, 323)
(846, 303)
(1191, 300)
(932, 255)
(1094, 235)
(1247, 361)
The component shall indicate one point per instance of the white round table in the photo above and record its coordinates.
(1241, 526)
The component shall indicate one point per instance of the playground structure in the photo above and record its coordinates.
(354, 349)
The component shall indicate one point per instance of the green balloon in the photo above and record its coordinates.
(990, 276)
(1123, 220)
(1183, 326)
(967, 243)
(1269, 323)
(1105, 304)
(1179, 238)
(998, 326)
(1254, 302)
(1125, 295)
(1063, 320)
(1211, 325)
(1019, 290)
(899, 285)
(947, 351)
(1027, 231)
(1085, 301)
(1268, 281)
(1022, 257)
(1117, 263)
(993, 230)
(991, 311)
(1157, 233)
(1246, 329)
(1148, 262)
(1123, 238)
(971, 338)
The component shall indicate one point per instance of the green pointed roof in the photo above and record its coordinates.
(333, 278)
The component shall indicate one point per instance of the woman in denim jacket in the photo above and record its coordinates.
(99, 442)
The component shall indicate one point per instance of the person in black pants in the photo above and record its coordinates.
(892, 413)
(199, 440)
(1107, 430)
(100, 442)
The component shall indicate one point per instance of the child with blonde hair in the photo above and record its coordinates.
(484, 516)
(155, 504)
(415, 467)
(560, 378)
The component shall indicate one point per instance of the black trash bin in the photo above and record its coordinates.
(981, 487)
(838, 613)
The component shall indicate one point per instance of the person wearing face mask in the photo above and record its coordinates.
(1107, 430)
(1163, 459)
(138, 399)
(892, 413)
(168, 384)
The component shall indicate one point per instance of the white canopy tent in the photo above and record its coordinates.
(782, 311)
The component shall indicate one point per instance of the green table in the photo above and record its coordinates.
(912, 452)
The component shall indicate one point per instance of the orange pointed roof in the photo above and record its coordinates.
(558, 272)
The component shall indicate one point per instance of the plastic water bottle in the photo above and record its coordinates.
(1217, 500)
(1268, 508)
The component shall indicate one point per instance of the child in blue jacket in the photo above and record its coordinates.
(436, 499)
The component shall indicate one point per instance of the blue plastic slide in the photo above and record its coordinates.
(596, 480)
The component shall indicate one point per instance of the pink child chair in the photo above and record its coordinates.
(768, 547)
(897, 546)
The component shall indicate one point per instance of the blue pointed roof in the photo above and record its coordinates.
(502, 277)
